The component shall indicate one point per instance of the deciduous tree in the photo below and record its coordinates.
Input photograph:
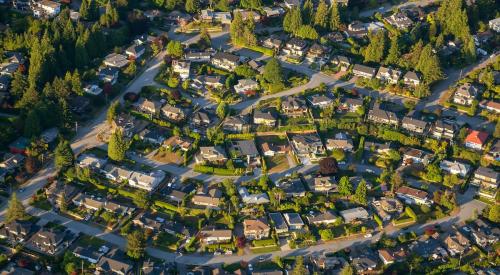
(136, 245)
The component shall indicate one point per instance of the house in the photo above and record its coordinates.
(176, 196)
(108, 75)
(116, 173)
(352, 104)
(377, 147)
(7, 70)
(225, 61)
(223, 17)
(494, 24)
(173, 113)
(295, 48)
(149, 221)
(378, 115)
(273, 11)
(88, 202)
(390, 256)
(264, 117)
(364, 265)
(92, 89)
(200, 119)
(236, 124)
(176, 142)
(389, 75)
(294, 221)
(91, 161)
(256, 65)
(12, 162)
(465, 94)
(153, 135)
(146, 181)
(50, 241)
(248, 14)
(317, 52)
(443, 130)
(212, 155)
(246, 87)
(324, 218)
(416, 156)
(116, 60)
(247, 198)
(4, 82)
(476, 139)
(363, 71)
(413, 196)
(353, 214)
(115, 262)
(89, 253)
(357, 29)
(59, 190)
(118, 208)
(341, 141)
(208, 196)
(320, 101)
(341, 61)
(278, 223)
(386, 207)
(272, 42)
(15, 57)
(341, 3)
(211, 81)
(429, 248)
(256, 229)
(455, 168)
(46, 8)
(244, 151)
(181, 67)
(16, 231)
(294, 107)
(456, 243)
(490, 105)
(292, 187)
(326, 262)
(308, 146)
(214, 236)
(487, 179)
(325, 184)
(494, 152)
(335, 37)
(292, 3)
(271, 149)
(414, 125)
(198, 56)
(399, 20)
(412, 78)
(79, 104)
(135, 51)
(148, 106)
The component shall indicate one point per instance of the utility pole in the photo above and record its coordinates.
(76, 127)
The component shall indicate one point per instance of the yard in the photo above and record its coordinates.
(166, 241)
(277, 163)
(165, 156)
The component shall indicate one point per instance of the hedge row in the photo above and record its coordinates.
(264, 242)
(218, 171)
(247, 136)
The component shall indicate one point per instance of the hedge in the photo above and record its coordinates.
(264, 242)
(410, 213)
(247, 136)
(260, 49)
(403, 220)
(166, 205)
(217, 171)
(378, 220)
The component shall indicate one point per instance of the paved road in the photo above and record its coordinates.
(388, 7)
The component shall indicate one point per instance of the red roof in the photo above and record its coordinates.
(477, 137)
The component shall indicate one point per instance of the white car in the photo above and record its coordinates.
(250, 267)
(369, 235)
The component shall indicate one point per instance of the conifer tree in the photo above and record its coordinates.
(394, 52)
(308, 12)
(117, 146)
(63, 155)
(375, 51)
(15, 210)
(321, 16)
(335, 20)
(292, 20)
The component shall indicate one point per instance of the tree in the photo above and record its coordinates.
(113, 111)
(497, 129)
(308, 12)
(251, 4)
(429, 65)
(273, 73)
(328, 166)
(236, 28)
(321, 16)
(375, 51)
(335, 21)
(360, 195)
(18, 85)
(136, 245)
(174, 48)
(63, 155)
(278, 261)
(117, 146)
(222, 5)
(192, 6)
(307, 32)
(15, 210)
(292, 20)
(63, 204)
(345, 186)
(32, 124)
(205, 41)
(299, 267)
(141, 199)
(394, 52)
(494, 213)
(347, 270)
(221, 110)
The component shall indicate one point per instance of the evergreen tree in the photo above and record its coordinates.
(335, 20)
(308, 12)
(192, 6)
(174, 48)
(347, 270)
(236, 29)
(321, 16)
(299, 267)
(221, 110)
(63, 205)
(81, 56)
(113, 111)
(136, 245)
(273, 73)
(18, 85)
(84, 10)
(15, 210)
(345, 187)
(32, 124)
(360, 195)
(394, 52)
(251, 4)
(76, 83)
(63, 155)
(497, 129)
(494, 213)
(29, 100)
(292, 20)
(248, 33)
(222, 5)
(205, 41)
(375, 51)
(117, 146)
(307, 32)
(428, 64)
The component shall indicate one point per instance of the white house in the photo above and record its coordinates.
(182, 68)
(46, 8)
(455, 168)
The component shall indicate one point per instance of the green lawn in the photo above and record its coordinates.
(42, 204)
(259, 250)
(86, 240)
(277, 163)
(166, 241)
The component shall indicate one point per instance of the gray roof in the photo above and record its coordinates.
(244, 147)
(488, 172)
(364, 69)
(294, 218)
(278, 220)
(414, 121)
(227, 56)
(115, 260)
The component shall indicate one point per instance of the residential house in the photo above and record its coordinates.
(176, 196)
(455, 168)
(357, 29)
(363, 71)
(341, 3)
(443, 130)
(413, 196)
(147, 106)
(248, 14)
(326, 262)
(256, 229)
(246, 87)
(264, 117)
(208, 196)
(92, 89)
(79, 104)
(115, 262)
(386, 207)
(146, 181)
(223, 17)
(7, 70)
(341, 141)
(378, 115)
(308, 146)
(108, 75)
(414, 125)
(176, 142)
(494, 152)
(429, 248)
(377, 147)
(292, 187)
(494, 24)
(278, 222)
(88, 201)
(46, 8)
(91, 161)
(476, 139)
(225, 61)
(12, 162)
(456, 243)
(118, 208)
(490, 105)
(487, 179)
(173, 113)
(324, 218)
(271, 149)
(412, 78)
(399, 20)
(256, 65)
(353, 104)
(317, 52)
(149, 221)
(272, 42)
(416, 156)
(341, 61)
(115, 173)
(182, 67)
(198, 56)
(153, 135)
(294, 221)
(58, 190)
(135, 51)
(247, 198)
(211, 81)
(211, 155)
(465, 94)
(292, 3)
(214, 236)
(200, 119)
(50, 241)
(389, 256)
(389, 75)
(271, 12)
(294, 107)
(353, 214)
(90, 253)
(295, 48)
(236, 124)
(16, 231)
(325, 184)
(336, 37)
(320, 101)
(244, 151)
(116, 60)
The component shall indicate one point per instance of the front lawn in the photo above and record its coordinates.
(166, 241)
(166, 156)
(277, 163)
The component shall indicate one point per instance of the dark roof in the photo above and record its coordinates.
(364, 69)
(115, 260)
(488, 172)
(414, 121)
(227, 56)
